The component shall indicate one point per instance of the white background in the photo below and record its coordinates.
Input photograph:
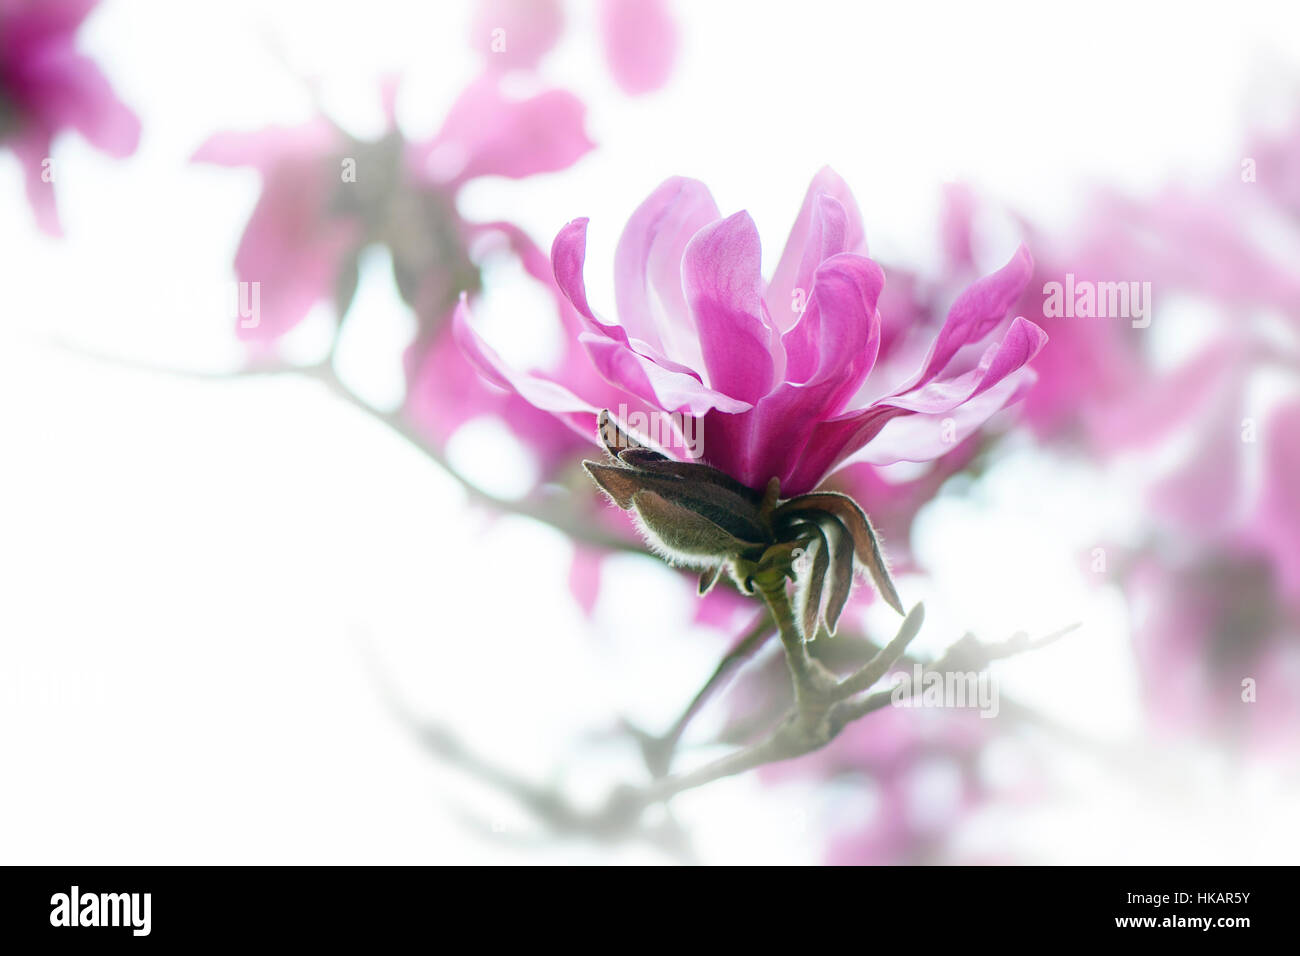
(209, 589)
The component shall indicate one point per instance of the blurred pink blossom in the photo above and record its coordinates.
(516, 34)
(640, 43)
(640, 37)
(46, 86)
(1218, 646)
(326, 195)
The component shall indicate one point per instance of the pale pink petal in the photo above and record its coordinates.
(516, 34)
(813, 240)
(264, 149)
(640, 43)
(653, 378)
(584, 577)
(32, 150)
(956, 227)
(291, 249)
(538, 391)
(489, 134)
(648, 267)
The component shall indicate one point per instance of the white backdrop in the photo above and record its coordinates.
(205, 586)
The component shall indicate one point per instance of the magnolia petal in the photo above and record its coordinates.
(488, 134)
(516, 34)
(1022, 342)
(648, 267)
(820, 230)
(830, 352)
(640, 43)
(723, 284)
(654, 379)
(537, 391)
(977, 312)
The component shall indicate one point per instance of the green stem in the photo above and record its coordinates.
(772, 588)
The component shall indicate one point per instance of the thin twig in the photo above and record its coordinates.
(659, 751)
(562, 519)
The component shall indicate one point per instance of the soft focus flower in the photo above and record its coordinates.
(639, 37)
(46, 86)
(1275, 524)
(1277, 164)
(1218, 646)
(777, 377)
(640, 43)
(327, 195)
(516, 34)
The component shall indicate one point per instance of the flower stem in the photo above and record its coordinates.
(772, 588)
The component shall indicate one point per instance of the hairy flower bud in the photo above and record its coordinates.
(697, 516)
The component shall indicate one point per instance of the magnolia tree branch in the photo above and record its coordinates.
(564, 519)
(821, 714)
(659, 752)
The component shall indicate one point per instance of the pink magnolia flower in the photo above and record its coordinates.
(776, 391)
(639, 36)
(327, 195)
(46, 86)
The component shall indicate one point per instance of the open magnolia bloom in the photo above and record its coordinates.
(772, 385)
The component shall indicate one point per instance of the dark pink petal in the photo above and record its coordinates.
(67, 89)
(1019, 345)
(648, 267)
(820, 231)
(977, 311)
(831, 351)
(516, 34)
(640, 43)
(723, 285)
(947, 412)
(832, 442)
(836, 337)
(34, 20)
(488, 134)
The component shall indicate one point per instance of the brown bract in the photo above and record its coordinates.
(697, 516)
